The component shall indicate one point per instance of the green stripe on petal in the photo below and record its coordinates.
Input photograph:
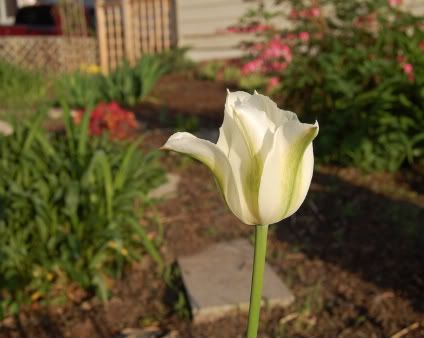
(252, 168)
(287, 171)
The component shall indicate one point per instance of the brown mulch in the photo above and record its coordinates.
(352, 255)
(183, 95)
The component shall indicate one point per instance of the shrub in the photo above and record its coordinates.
(80, 89)
(175, 60)
(126, 85)
(356, 66)
(67, 210)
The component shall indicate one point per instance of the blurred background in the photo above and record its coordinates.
(89, 90)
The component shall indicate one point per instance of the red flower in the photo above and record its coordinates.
(110, 117)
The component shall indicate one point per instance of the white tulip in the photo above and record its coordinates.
(263, 160)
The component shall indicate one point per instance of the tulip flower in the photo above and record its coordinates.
(263, 163)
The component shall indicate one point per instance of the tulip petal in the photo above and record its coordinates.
(246, 168)
(243, 162)
(276, 115)
(203, 151)
(287, 171)
(257, 129)
(209, 154)
(225, 132)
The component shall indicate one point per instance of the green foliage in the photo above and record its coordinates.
(360, 73)
(80, 89)
(355, 86)
(186, 123)
(21, 90)
(126, 85)
(221, 71)
(68, 210)
(209, 70)
(253, 81)
(175, 60)
(177, 296)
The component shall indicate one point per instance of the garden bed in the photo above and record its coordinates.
(352, 256)
(182, 95)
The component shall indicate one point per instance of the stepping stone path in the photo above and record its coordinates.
(6, 128)
(218, 281)
(152, 332)
(57, 113)
(168, 189)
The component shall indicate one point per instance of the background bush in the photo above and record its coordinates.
(127, 84)
(69, 210)
(357, 67)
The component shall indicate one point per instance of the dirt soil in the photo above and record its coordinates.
(352, 255)
(183, 95)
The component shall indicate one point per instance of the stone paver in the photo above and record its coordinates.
(6, 128)
(152, 332)
(168, 189)
(218, 280)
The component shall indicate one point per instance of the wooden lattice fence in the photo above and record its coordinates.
(49, 53)
(126, 29)
(61, 53)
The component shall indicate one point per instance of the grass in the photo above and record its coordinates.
(21, 91)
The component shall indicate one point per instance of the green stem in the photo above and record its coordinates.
(261, 232)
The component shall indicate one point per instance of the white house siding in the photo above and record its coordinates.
(7, 12)
(201, 25)
(415, 6)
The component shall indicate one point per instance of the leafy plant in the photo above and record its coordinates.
(175, 60)
(68, 210)
(21, 90)
(209, 70)
(126, 85)
(357, 67)
(80, 89)
(186, 123)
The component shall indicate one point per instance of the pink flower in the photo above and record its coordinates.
(395, 3)
(304, 36)
(401, 59)
(276, 49)
(314, 12)
(408, 69)
(293, 14)
(252, 66)
(276, 66)
(233, 29)
(290, 36)
(260, 28)
(272, 83)
(369, 20)
(311, 12)
(303, 14)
